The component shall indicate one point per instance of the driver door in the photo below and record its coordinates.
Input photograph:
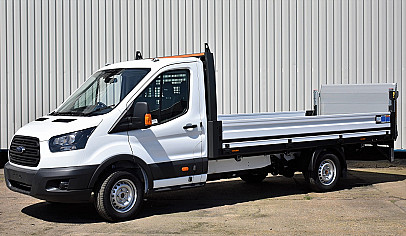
(172, 145)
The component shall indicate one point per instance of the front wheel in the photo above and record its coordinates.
(326, 174)
(119, 196)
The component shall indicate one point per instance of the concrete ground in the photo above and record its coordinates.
(372, 200)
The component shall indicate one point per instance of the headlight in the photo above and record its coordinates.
(72, 141)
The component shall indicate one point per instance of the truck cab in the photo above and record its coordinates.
(59, 157)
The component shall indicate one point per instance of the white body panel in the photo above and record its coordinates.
(46, 129)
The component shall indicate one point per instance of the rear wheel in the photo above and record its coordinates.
(253, 178)
(326, 174)
(119, 196)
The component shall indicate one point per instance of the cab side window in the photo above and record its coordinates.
(167, 96)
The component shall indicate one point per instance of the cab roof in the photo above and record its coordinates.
(154, 64)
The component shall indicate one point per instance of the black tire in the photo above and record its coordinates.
(58, 203)
(253, 178)
(326, 174)
(119, 196)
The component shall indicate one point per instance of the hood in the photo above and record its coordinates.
(48, 126)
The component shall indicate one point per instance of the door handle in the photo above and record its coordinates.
(189, 126)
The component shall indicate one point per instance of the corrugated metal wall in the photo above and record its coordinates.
(270, 55)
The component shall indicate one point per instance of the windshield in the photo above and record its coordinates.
(101, 92)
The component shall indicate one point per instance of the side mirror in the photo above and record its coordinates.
(141, 118)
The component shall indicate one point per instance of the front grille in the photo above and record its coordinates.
(29, 156)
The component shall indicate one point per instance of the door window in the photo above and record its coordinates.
(167, 96)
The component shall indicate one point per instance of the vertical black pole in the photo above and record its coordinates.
(393, 95)
(214, 127)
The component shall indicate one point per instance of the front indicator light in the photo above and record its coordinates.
(148, 120)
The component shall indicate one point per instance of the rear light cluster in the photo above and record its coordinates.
(382, 119)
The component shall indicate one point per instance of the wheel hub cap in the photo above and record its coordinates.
(123, 195)
(327, 172)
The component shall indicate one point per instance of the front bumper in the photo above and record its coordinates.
(68, 184)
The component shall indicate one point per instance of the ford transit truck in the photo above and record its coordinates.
(151, 125)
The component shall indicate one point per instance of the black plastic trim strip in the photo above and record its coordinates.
(64, 120)
(122, 158)
(179, 187)
(173, 169)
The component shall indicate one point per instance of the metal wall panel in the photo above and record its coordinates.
(3, 74)
(270, 54)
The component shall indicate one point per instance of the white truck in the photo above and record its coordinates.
(150, 125)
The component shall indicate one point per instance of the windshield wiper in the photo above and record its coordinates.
(66, 113)
(100, 109)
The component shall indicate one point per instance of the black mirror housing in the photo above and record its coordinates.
(137, 121)
(140, 109)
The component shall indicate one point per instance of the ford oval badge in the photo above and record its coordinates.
(20, 149)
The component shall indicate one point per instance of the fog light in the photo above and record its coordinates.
(64, 185)
(57, 184)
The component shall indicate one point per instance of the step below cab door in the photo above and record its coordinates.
(172, 146)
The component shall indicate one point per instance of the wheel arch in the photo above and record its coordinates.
(122, 162)
(337, 150)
